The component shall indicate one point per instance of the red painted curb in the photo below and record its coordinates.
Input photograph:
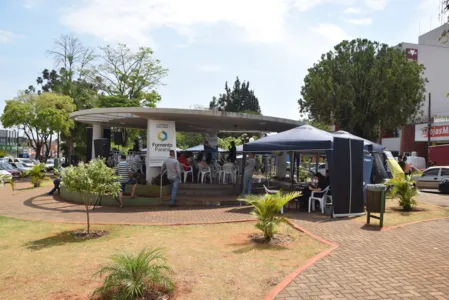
(274, 292)
(385, 228)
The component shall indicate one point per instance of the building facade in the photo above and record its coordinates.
(433, 53)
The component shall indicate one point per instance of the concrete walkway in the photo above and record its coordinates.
(34, 204)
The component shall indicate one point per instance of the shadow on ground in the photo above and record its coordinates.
(60, 239)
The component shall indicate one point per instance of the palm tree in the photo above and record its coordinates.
(37, 174)
(405, 189)
(132, 276)
(267, 208)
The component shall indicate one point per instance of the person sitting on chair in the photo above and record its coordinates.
(317, 185)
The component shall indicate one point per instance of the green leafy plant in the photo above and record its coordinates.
(404, 188)
(24, 174)
(37, 174)
(4, 179)
(91, 181)
(267, 208)
(133, 276)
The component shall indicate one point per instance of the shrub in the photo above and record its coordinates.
(267, 208)
(133, 276)
(37, 174)
(91, 180)
(4, 179)
(404, 188)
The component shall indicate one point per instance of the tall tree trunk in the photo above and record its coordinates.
(88, 219)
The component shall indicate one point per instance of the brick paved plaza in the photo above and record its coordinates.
(411, 262)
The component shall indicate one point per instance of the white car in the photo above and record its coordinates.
(6, 176)
(50, 164)
(25, 161)
(321, 168)
(431, 177)
(21, 167)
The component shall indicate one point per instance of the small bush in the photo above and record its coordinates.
(267, 208)
(404, 188)
(130, 277)
(37, 174)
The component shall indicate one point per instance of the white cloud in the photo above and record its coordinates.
(121, 20)
(29, 4)
(363, 21)
(210, 68)
(376, 4)
(331, 33)
(353, 11)
(6, 36)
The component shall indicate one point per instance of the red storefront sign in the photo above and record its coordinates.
(436, 131)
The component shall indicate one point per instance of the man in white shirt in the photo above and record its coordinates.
(173, 168)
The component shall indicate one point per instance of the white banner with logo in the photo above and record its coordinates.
(438, 132)
(161, 139)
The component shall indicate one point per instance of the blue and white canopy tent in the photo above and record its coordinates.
(345, 159)
(367, 144)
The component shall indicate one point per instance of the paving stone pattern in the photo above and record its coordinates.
(411, 262)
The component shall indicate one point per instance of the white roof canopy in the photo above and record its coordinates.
(187, 120)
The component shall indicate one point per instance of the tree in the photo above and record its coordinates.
(363, 87)
(317, 124)
(186, 140)
(124, 73)
(91, 181)
(240, 99)
(40, 117)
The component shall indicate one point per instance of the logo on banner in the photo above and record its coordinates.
(162, 136)
(436, 131)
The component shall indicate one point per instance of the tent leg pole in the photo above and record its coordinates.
(317, 162)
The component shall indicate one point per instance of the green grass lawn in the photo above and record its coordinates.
(42, 260)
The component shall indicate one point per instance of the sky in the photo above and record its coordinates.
(204, 43)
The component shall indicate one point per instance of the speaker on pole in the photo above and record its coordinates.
(102, 148)
(118, 138)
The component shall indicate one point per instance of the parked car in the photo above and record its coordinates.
(7, 177)
(25, 161)
(50, 164)
(10, 169)
(321, 168)
(443, 186)
(431, 178)
(21, 167)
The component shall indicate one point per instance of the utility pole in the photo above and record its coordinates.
(429, 126)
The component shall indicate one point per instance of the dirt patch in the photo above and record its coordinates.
(277, 240)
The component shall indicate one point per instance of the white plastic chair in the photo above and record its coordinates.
(268, 191)
(203, 172)
(186, 170)
(229, 170)
(218, 172)
(321, 199)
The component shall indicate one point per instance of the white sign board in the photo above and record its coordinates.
(438, 132)
(161, 139)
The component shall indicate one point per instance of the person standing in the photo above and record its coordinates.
(173, 174)
(248, 174)
(123, 170)
(233, 152)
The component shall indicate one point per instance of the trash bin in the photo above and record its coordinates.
(375, 201)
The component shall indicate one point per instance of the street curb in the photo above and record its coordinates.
(385, 228)
(281, 286)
